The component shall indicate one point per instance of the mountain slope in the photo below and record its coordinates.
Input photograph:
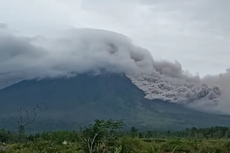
(86, 97)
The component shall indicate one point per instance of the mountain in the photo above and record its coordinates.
(85, 97)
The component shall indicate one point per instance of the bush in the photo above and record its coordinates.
(130, 145)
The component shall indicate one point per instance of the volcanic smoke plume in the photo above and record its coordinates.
(83, 50)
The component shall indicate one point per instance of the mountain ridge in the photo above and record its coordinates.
(86, 97)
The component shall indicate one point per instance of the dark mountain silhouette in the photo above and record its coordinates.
(86, 97)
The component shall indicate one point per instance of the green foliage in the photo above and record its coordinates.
(130, 145)
(179, 145)
(134, 132)
(100, 136)
(106, 137)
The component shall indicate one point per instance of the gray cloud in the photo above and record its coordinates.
(193, 32)
(211, 15)
(223, 81)
(73, 51)
(3, 26)
(82, 50)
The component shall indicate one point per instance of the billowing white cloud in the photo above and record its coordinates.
(77, 50)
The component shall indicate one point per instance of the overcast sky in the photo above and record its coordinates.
(194, 32)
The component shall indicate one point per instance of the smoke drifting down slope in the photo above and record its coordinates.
(83, 50)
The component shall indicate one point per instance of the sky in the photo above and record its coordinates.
(196, 33)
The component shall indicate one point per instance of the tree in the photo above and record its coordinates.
(149, 134)
(99, 136)
(134, 132)
(4, 136)
(25, 121)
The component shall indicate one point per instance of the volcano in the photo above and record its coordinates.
(82, 98)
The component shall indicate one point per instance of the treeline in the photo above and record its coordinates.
(217, 132)
(109, 137)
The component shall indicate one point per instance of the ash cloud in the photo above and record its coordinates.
(223, 81)
(82, 50)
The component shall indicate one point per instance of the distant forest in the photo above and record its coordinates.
(108, 136)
